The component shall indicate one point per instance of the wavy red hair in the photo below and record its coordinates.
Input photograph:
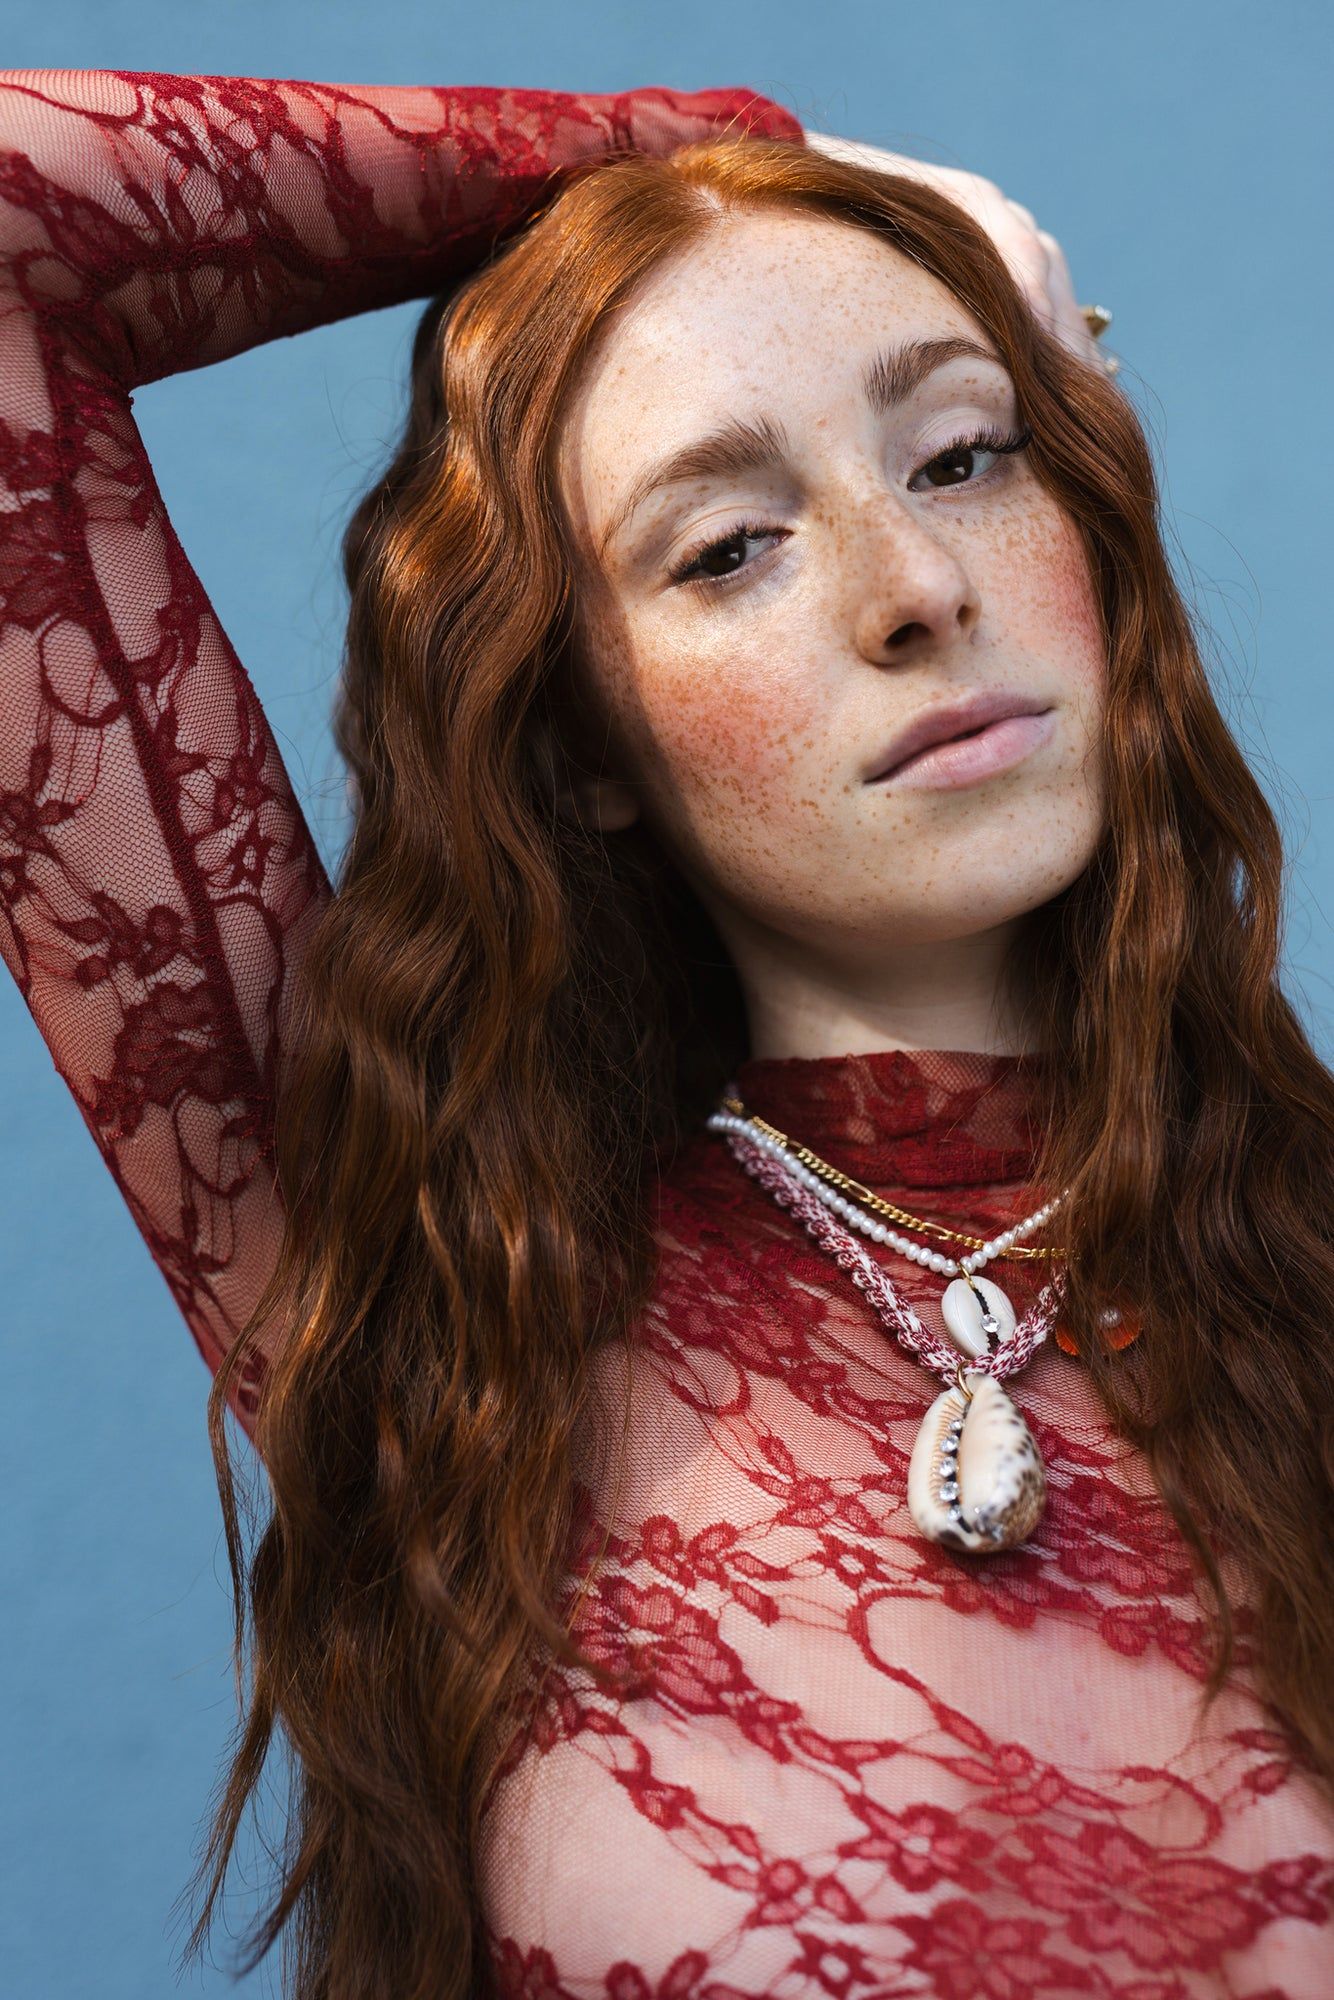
(507, 1022)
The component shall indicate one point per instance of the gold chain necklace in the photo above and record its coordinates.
(975, 1478)
(876, 1202)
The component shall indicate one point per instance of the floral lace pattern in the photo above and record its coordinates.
(158, 880)
(851, 1764)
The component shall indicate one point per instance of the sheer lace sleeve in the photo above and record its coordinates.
(157, 877)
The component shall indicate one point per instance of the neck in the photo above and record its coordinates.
(948, 994)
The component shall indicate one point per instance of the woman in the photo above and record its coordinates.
(629, 1637)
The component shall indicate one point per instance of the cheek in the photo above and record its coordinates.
(1048, 589)
(722, 718)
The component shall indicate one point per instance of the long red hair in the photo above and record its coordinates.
(507, 1022)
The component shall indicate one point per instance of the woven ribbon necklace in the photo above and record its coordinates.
(976, 1481)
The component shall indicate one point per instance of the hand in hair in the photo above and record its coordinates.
(1034, 257)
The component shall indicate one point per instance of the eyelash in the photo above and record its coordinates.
(986, 440)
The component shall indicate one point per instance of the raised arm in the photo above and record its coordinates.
(157, 878)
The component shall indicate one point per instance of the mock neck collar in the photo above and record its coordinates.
(905, 1118)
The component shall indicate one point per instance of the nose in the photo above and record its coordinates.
(913, 593)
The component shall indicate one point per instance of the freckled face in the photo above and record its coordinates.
(851, 582)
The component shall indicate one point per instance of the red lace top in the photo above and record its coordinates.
(859, 1765)
(854, 1764)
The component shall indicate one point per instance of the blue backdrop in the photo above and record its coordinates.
(1181, 155)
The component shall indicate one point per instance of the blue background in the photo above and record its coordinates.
(1181, 155)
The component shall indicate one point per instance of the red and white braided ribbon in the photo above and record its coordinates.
(888, 1302)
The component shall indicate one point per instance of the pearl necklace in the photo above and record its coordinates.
(823, 1180)
(976, 1481)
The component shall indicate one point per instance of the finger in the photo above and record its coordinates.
(1026, 255)
(1014, 231)
(1070, 321)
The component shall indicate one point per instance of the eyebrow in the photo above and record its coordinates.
(740, 446)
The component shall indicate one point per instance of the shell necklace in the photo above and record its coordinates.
(976, 1481)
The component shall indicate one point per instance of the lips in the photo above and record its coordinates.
(949, 720)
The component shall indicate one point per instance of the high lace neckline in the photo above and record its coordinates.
(927, 1118)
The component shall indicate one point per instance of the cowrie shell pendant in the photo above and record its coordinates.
(975, 1480)
(976, 1326)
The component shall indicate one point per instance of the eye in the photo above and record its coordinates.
(712, 565)
(715, 562)
(958, 459)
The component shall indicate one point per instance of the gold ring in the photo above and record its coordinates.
(1097, 319)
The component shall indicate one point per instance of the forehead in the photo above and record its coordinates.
(763, 305)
